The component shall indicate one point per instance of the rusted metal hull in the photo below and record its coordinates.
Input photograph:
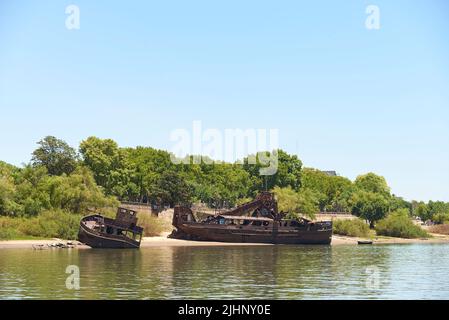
(257, 221)
(96, 239)
(236, 234)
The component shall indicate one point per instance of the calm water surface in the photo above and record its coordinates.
(268, 272)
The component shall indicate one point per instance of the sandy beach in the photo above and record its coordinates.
(163, 241)
(146, 242)
(436, 238)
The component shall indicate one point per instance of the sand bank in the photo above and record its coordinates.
(436, 238)
(167, 242)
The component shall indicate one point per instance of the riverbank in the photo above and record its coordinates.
(146, 242)
(436, 238)
(163, 241)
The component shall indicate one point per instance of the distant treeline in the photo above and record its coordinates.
(100, 174)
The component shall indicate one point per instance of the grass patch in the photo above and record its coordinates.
(48, 224)
(399, 225)
(25, 237)
(153, 226)
(351, 228)
(9, 228)
(65, 225)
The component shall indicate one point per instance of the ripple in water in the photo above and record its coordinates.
(262, 272)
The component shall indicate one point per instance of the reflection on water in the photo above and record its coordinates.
(261, 272)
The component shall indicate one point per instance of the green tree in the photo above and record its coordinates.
(296, 203)
(7, 169)
(77, 193)
(55, 155)
(172, 189)
(288, 172)
(31, 190)
(369, 206)
(307, 203)
(287, 199)
(8, 206)
(317, 182)
(371, 182)
(332, 192)
(423, 211)
(436, 207)
(397, 203)
(108, 164)
(217, 184)
(221, 184)
(145, 167)
(440, 218)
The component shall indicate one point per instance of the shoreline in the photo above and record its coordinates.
(381, 240)
(163, 241)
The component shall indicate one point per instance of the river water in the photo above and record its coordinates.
(241, 272)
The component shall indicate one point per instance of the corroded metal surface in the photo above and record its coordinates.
(101, 232)
(262, 224)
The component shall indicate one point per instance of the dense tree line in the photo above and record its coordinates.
(30, 190)
(101, 173)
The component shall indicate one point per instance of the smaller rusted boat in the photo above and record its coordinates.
(365, 242)
(97, 231)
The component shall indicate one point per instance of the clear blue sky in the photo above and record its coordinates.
(344, 98)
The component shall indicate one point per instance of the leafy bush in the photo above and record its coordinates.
(48, 224)
(8, 229)
(295, 203)
(241, 201)
(440, 218)
(352, 228)
(30, 191)
(398, 224)
(7, 234)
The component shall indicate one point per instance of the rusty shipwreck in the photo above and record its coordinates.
(97, 231)
(255, 222)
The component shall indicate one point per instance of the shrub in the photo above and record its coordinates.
(154, 226)
(49, 224)
(8, 228)
(398, 224)
(295, 203)
(440, 218)
(8, 234)
(352, 228)
(64, 225)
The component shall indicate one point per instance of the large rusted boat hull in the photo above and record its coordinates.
(257, 221)
(99, 240)
(198, 231)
